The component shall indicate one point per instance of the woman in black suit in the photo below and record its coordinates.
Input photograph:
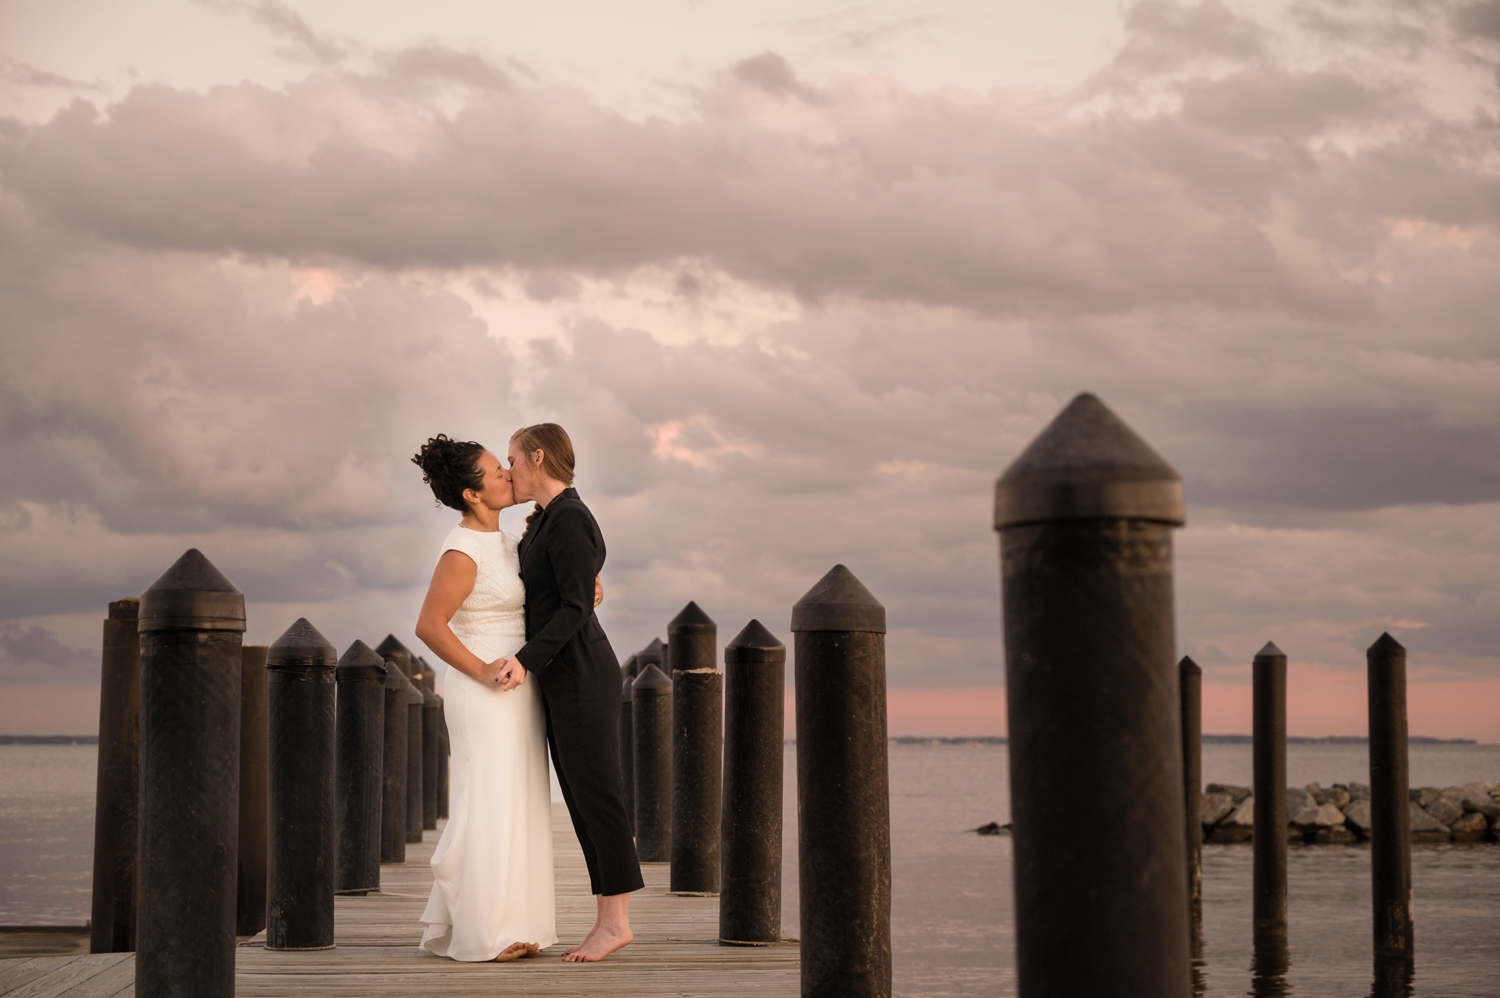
(577, 674)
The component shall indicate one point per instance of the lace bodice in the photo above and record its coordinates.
(491, 622)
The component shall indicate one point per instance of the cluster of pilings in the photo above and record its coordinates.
(702, 752)
(1085, 516)
(242, 787)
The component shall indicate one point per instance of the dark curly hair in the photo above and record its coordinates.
(450, 466)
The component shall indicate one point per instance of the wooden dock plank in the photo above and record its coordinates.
(675, 951)
(73, 972)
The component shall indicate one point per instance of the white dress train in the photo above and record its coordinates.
(492, 869)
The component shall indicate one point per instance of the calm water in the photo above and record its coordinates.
(953, 920)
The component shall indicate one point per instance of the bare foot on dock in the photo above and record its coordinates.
(573, 949)
(517, 951)
(599, 944)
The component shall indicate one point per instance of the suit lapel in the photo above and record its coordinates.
(524, 547)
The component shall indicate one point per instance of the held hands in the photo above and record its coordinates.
(506, 673)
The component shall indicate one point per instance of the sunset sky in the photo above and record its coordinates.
(800, 278)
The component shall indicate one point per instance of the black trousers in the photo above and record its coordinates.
(583, 724)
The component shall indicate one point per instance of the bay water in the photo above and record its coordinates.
(953, 923)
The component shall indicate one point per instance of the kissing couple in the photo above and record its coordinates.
(531, 668)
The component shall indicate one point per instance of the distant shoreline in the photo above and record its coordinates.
(49, 739)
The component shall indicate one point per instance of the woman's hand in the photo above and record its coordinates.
(598, 591)
(493, 672)
(512, 674)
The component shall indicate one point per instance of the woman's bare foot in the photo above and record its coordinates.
(599, 944)
(517, 951)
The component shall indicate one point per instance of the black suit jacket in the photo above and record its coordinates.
(560, 555)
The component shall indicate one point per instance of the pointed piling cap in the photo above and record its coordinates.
(631, 666)
(1187, 667)
(839, 602)
(192, 594)
(360, 664)
(1386, 646)
(625, 686)
(1270, 651)
(652, 682)
(396, 679)
(754, 644)
(652, 654)
(691, 620)
(391, 648)
(300, 645)
(1088, 465)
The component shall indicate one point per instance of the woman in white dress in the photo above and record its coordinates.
(492, 892)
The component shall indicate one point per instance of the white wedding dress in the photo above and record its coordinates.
(492, 870)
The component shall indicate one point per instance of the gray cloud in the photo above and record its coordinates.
(231, 316)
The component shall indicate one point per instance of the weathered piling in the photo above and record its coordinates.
(843, 790)
(627, 746)
(301, 668)
(118, 785)
(653, 654)
(697, 779)
(432, 747)
(360, 731)
(392, 650)
(1190, 691)
(1268, 722)
(630, 667)
(444, 751)
(428, 674)
(1085, 516)
(692, 641)
(414, 760)
(255, 803)
(1390, 823)
(754, 732)
(697, 750)
(651, 699)
(191, 623)
(393, 766)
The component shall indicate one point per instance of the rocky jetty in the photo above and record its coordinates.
(1341, 813)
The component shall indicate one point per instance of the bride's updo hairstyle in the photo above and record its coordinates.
(450, 466)
(557, 450)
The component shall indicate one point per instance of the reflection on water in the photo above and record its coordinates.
(1393, 979)
(1269, 965)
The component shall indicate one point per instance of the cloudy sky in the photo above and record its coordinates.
(800, 278)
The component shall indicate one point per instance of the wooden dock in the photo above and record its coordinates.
(675, 950)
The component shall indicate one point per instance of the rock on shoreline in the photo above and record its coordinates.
(1341, 813)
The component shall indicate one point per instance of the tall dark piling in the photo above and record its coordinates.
(1268, 723)
(651, 700)
(432, 747)
(1085, 516)
(754, 732)
(445, 751)
(393, 766)
(1390, 821)
(191, 623)
(697, 750)
(117, 791)
(415, 763)
(843, 790)
(630, 667)
(359, 764)
(655, 654)
(692, 642)
(255, 799)
(392, 650)
(1190, 692)
(697, 779)
(428, 675)
(301, 667)
(627, 747)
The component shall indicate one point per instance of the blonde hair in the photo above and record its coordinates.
(557, 449)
